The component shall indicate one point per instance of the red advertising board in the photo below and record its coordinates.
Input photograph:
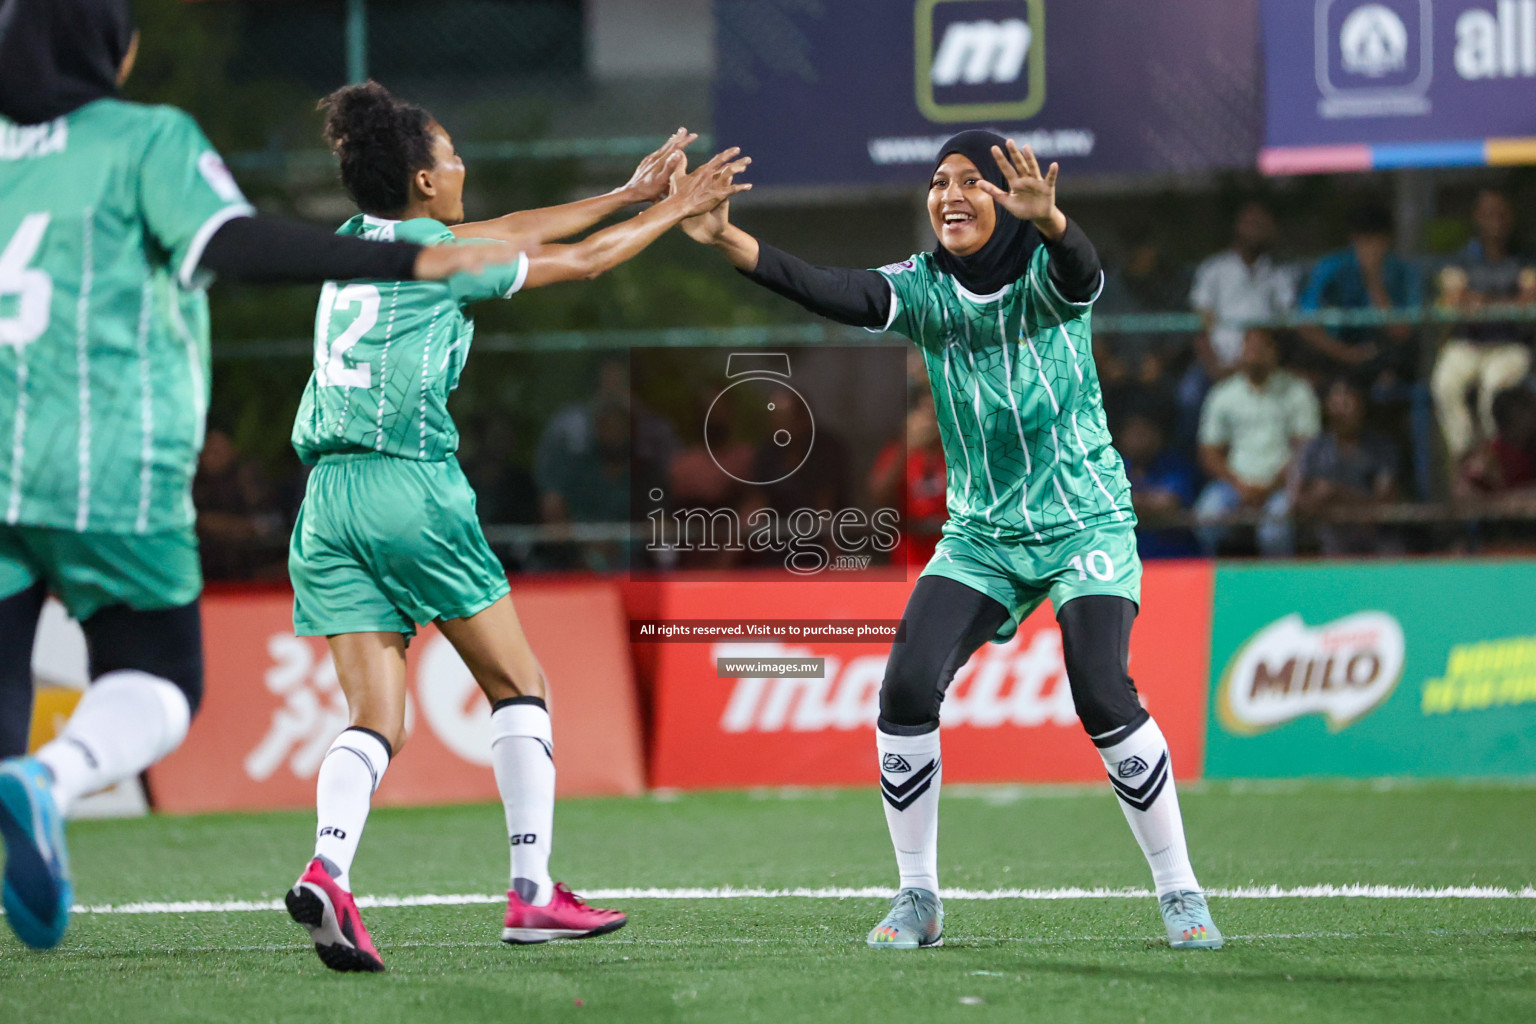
(272, 707)
(1008, 716)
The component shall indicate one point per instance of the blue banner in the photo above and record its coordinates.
(1362, 84)
(865, 90)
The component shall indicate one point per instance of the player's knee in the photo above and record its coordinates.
(165, 643)
(1103, 694)
(397, 740)
(501, 683)
(909, 694)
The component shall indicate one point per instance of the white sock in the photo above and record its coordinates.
(126, 722)
(910, 773)
(349, 775)
(1142, 775)
(523, 758)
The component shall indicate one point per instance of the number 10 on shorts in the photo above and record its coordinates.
(1097, 565)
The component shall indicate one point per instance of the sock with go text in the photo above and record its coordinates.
(523, 758)
(350, 774)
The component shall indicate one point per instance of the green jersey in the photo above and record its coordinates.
(387, 353)
(104, 214)
(1021, 416)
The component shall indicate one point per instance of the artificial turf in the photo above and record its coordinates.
(787, 959)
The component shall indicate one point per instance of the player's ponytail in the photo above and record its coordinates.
(380, 141)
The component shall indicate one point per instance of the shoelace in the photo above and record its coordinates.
(1182, 906)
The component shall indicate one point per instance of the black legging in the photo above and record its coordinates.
(946, 621)
(167, 643)
(18, 629)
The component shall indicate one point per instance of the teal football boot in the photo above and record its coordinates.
(1188, 920)
(916, 921)
(37, 892)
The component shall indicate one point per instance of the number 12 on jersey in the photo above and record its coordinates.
(331, 369)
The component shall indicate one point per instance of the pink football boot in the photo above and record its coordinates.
(564, 917)
(330, 915)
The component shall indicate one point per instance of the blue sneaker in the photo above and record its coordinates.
(1188, 920)
(916, 921)
(37, 893)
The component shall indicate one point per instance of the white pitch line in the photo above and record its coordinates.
(1273, 892)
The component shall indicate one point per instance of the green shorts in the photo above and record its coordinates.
(1097, 560)
(91, 571)
(384, 543)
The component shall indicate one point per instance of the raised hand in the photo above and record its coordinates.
(436, 262)
(710, 184)
(1031, 195)
(708, 228)
(654, 175)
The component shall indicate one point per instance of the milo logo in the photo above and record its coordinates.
(1342, 670)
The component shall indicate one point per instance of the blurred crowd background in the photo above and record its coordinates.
(1332, 365)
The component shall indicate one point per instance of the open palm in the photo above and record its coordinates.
(654, 175)
(1030, 195)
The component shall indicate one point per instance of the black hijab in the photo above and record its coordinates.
(59, 55)
(1005, 257)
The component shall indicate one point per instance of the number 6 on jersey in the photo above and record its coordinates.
(32, 287)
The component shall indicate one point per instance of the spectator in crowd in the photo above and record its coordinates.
(1365, 274)
(707, 476)
(506, 494)
(924, 509)
(1347, 466)
(1232, 289)
(1237, 287)
(1163, 484)
(1143, 389)
(820, 481)
(1141, 281)
(239, 526)
(1488, 356)
(709, 472)
(571, 432)
(1507, 461)
(815, 480)
(1251, 428)
(592, 485)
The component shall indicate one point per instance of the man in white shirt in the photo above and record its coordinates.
(1251, 428)
(1236, 288)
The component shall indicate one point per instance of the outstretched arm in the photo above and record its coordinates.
(691, 195)
(274, 250)
(552, 223)
(859, 298)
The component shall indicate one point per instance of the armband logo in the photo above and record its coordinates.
(899, 268)
(211, 166)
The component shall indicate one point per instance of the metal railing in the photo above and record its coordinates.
(825, 332)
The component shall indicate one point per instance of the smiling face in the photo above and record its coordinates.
(442, 185)
(962, 215)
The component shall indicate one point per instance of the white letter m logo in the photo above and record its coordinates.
(974, 52)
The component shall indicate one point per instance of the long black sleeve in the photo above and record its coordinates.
(859, 298)
(272, 250)
(1074, 264)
